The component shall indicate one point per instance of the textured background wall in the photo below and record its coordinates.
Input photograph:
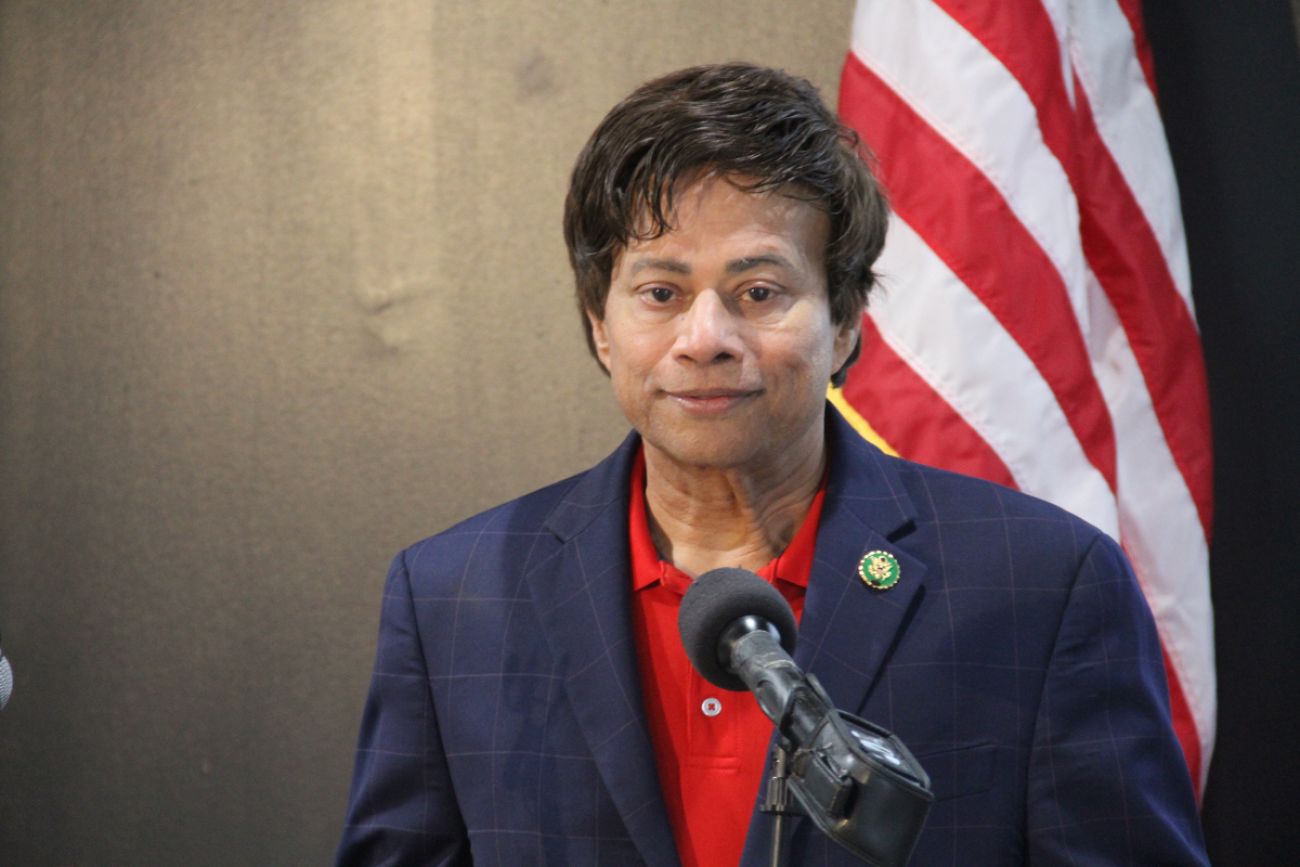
(282, 289)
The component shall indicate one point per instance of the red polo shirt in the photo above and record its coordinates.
(710, 744)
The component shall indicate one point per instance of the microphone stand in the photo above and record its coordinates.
(779, 802)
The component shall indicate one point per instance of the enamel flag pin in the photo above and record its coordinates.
(879, 570)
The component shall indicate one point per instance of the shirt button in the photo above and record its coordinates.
(711, 707)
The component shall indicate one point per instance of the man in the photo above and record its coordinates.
(531, 702)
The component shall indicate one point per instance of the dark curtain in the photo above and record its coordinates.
(1229, 87)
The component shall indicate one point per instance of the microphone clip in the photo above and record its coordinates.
(857, 782)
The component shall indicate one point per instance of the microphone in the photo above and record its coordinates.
(6, 680)
(739, 632)
(856, 781)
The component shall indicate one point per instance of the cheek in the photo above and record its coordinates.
(631, 371)
(634, 353)
(812, 354)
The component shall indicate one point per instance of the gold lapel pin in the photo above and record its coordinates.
(879, 570)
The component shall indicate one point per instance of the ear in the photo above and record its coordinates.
(846, 338)
(599, 338)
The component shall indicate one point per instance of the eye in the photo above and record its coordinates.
(760, 293)
(660, 294)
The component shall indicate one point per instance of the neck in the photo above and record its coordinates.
(704, 518)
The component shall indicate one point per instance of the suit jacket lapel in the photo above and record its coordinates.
(582, 597)
(848, 629)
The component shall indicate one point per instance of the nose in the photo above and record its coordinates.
(709, 332)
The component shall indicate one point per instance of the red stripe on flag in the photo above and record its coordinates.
(1184, 723)
(911, 416)
(1118, 241)
(956, 210)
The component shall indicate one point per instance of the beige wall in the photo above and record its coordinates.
(282, 289)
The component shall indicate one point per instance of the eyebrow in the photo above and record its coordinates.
(674, 265)
(735, 266)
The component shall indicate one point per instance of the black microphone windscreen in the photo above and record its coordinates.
(717, 599)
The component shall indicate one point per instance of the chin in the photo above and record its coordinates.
(715, 449)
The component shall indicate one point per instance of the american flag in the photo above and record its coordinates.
(1035, 322)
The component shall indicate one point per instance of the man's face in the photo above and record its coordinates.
(717, 335)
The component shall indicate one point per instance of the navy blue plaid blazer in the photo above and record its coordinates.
(1016, 658)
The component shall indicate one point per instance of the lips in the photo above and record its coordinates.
(711, 401)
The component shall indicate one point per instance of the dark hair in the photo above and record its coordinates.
(764, 126)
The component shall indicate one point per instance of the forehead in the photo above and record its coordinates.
(715, 217)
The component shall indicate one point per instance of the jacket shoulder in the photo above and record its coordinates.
(986, 533)
(943, 495)
(488, 554)
(895, 494)
(500, 540)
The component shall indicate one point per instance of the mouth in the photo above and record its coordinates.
(711, 401)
